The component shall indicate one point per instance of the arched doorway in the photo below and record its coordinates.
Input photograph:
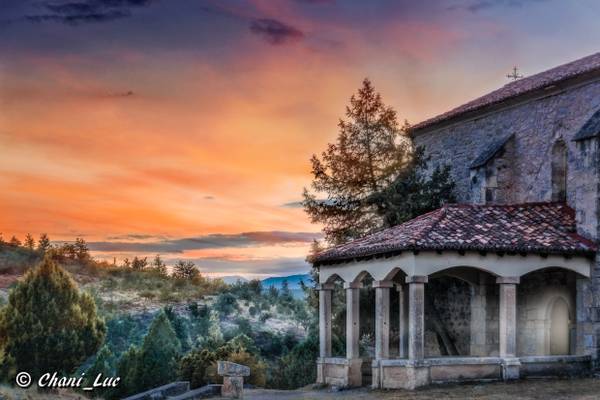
(559, 327)
(545, 309)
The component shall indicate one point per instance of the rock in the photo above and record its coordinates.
(233, 386)
(226, 368)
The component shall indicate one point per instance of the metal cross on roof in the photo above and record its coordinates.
(515, 74)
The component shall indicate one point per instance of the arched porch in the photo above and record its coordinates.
(491, 346)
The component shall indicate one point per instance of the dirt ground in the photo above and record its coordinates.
(580, 389)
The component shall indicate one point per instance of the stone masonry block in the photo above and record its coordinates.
(227, 368)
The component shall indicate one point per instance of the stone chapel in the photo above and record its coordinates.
(506, 283)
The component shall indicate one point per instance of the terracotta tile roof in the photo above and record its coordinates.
(520, 87)
(538, 228)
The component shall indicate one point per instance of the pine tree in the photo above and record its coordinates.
(371, 150)
(81, 250)
(44, 243)
(29, 242)
(48, 325)
(139, 263)
(159, 265)
(159, 354)
(14, 242)
(414, 192)
(103, 364)
(127, 368)
(185, 270)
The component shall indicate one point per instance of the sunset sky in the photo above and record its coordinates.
(185, 127)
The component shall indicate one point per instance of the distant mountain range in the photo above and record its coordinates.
(293, 283)
(277, 282)
(292, 280)
(230, 280)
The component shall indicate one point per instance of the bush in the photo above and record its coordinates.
(185, 270)
(199, 366)
(48, 325)
(297, 368)
(226, 304)
(258, 375)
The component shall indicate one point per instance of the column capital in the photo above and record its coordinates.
(383, 284)
(506, 280)
(353, 285)
(325, 286)
(417, 279)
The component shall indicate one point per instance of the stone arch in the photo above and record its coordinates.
(468, 274)
(559, 171)
(394, 272)
(334, 278)
(362, 275)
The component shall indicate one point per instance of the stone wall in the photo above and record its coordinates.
(536, 126)
(449, 299)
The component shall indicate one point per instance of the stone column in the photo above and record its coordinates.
(352, 321)
(508, 326)
(324, 330)
(416, 316)
(325, 319)
(403, 323)
(353, 360)
(382, 318)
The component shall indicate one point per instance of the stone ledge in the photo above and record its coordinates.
(464, 361)
(230, 369)
(337, 360)
(555, 359)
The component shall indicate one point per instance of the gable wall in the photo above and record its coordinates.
(536, 125)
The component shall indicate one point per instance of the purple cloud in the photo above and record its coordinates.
(275, 32)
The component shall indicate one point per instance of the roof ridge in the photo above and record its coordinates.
(442, 211)
(563, 72)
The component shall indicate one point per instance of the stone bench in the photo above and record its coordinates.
(233, 379)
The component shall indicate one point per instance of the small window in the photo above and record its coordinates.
(559, 171)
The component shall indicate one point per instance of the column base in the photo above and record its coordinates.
(417, 373)
(320, 373)
(341, 372)
(400, 374)
(376, 375)
(511, 369)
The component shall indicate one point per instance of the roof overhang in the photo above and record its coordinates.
(426, 263)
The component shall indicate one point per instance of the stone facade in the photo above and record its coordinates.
(514, 154)
(487, 292)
